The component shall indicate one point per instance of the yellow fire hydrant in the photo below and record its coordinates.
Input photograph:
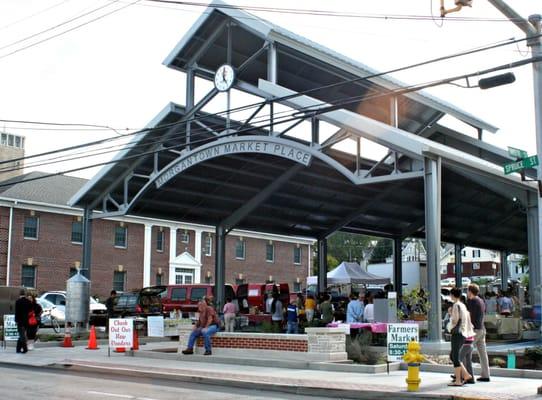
(413, 359)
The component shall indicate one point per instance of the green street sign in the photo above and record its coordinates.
(528, 162)
(517, 153)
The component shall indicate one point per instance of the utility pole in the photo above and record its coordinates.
(532, 28)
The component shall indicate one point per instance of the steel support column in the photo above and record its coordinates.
(505, 271)
(458, 265)
(87, 242)
(322, 265)
(190, 88)
(533, 250)
(220, 268)
(432, 191)
(398, 265)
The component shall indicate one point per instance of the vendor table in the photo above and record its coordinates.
(374, 327)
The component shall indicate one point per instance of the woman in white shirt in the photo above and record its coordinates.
(461, 328)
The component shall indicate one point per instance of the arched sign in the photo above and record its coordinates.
(242, 144)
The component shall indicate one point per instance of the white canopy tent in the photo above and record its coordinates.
(348, 273)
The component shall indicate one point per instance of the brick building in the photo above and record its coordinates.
(41, 245)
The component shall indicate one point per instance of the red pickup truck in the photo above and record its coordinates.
(186, 297)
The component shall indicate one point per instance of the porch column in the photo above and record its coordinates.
(322, 265)
(147, 251)
(432, 191)
(87, 242)
(172, 254)
(197, 254)
(505, 271)
(398, 265)
(220, 268)
(458, 265)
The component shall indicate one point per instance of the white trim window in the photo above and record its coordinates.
(240, 249)
(208, 246)
(121, 235)
(31, 227)
(160, 240)
(270, 252)
(297, 255)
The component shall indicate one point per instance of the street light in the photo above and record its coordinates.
(497, 80)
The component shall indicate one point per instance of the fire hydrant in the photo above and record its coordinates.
(413, 359)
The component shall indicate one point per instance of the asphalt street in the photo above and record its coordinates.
(31, 384)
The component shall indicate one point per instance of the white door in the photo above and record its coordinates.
(184, 276)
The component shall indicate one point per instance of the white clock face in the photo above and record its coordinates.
(224, 77)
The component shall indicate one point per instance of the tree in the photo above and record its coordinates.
(345, 246)
(382, 250)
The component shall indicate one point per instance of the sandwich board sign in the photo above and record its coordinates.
(10, 328)
(121, 333)
(399, 335)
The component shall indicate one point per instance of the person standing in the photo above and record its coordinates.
(229, 315)
(292, 315)
(354, 310)
(460, 328)
(369, 311)
(23, 306)
(276, 313)
(110, 305)
(326, 309)
(476, 308)
(33, 322)
(310, 306)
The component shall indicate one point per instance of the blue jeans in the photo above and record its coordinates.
(206, 333)
(292, 327)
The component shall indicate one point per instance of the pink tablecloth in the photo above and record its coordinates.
(375, 327)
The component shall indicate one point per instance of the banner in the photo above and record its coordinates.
(121, 332)
(399, 335)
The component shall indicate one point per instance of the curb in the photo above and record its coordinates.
(263, 386)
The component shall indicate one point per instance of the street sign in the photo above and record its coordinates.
(528, 162)
(517, 153)
(399, 335)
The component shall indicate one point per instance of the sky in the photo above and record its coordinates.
(109, 72)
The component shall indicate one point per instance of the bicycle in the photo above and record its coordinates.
(54, 322)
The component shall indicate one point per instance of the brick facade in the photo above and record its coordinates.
(53, 253)
(261, 343)
(483, 268)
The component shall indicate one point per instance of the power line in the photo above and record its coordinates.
(295, 115)
(328, 13)
(32, 15)
(68, 30)
(193, 119)
(57, 26)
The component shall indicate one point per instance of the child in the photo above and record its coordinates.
(292, 312)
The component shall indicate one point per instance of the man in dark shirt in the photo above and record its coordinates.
(22, 308)
(476, 307)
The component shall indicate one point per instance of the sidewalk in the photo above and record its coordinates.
(203, 369)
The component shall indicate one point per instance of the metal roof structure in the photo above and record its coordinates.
(256, 174)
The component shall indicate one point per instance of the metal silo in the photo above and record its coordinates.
(77, 300)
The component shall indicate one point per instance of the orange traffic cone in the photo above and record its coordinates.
(67, 336)
(92, 344)
(135, 346)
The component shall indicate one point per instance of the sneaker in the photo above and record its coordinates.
(30, 346)
(207, 353)
(483, 379)
(188, 351)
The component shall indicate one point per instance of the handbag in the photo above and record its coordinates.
(32, 321)
(456, 330)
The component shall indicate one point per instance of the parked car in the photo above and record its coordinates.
(186, 297)
(50, 313)
(139, 303)
(98, 311)
(256, 294)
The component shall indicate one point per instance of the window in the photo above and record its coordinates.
(30, 230)
(17, 141)
(208, 246)
(120, 236)
(476, 265)
(185, 237)
(178, 294)
(269, 252)
(119, 279)
(197, 294)
(28, 276)
(158, 279)
(297, 255)
(240, 249)
(4, 139)
(10, 140)
(476, 253)
(297, 286)
(160, 241)
(77, 232)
